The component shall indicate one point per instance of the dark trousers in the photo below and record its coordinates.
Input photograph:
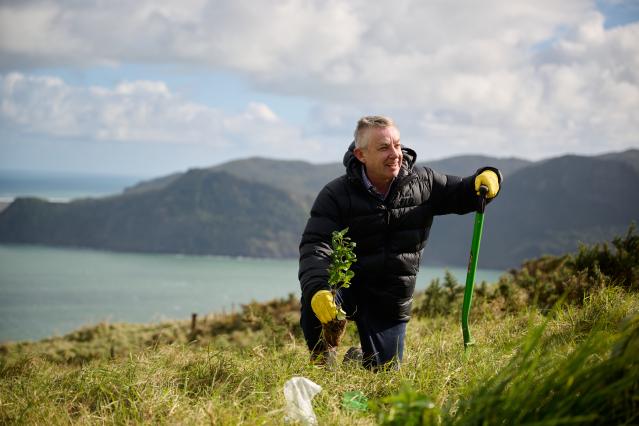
(382, 340)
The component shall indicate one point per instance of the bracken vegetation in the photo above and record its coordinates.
(557, 342)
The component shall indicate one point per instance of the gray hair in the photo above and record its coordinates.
(368, 122)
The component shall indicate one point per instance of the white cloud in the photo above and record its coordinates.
(277, 39)
(513, 78)
(140, 111)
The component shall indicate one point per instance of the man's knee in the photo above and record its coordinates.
(384, 345)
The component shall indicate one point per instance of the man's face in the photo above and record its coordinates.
(383, 154)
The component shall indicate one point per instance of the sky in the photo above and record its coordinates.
(151, 87)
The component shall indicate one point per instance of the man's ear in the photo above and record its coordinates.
(359, 155)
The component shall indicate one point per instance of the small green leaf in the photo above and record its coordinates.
(342, 258)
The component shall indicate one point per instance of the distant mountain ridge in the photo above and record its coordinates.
(201, 212)
(258, 207)
(307, 179)
(548, 207)
(464, 165)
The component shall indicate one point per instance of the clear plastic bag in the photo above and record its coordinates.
(299, 391)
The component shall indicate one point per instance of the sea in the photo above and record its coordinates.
(51, 291)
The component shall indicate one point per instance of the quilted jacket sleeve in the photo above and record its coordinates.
(315, 247)
(453, 194)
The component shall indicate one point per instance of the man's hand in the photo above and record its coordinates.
(489, 179)
(324, 306)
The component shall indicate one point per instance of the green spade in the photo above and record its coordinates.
(472, 265)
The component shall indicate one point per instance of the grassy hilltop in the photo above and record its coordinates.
(557, 341)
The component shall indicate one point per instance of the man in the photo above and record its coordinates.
(388, 205)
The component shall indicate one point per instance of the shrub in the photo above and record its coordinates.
(438, 300)
(620, 265)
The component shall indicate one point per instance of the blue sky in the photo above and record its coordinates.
(152, 87)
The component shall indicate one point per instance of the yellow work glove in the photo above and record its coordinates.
(489, 179)
(324, 306)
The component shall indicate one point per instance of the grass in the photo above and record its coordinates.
(238, 378)
(530, 365)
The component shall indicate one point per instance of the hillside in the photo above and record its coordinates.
(306, 179)
(258, 207)
(534, 361)
(200, 212)
(463, 165)
(562, 202)
(630, 157)
(549, 207)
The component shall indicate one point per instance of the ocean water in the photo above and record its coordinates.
(46, 291)
(60, 186)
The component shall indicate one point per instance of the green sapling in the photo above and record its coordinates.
(339, 271)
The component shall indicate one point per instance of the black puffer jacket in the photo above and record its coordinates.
(390, 234)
